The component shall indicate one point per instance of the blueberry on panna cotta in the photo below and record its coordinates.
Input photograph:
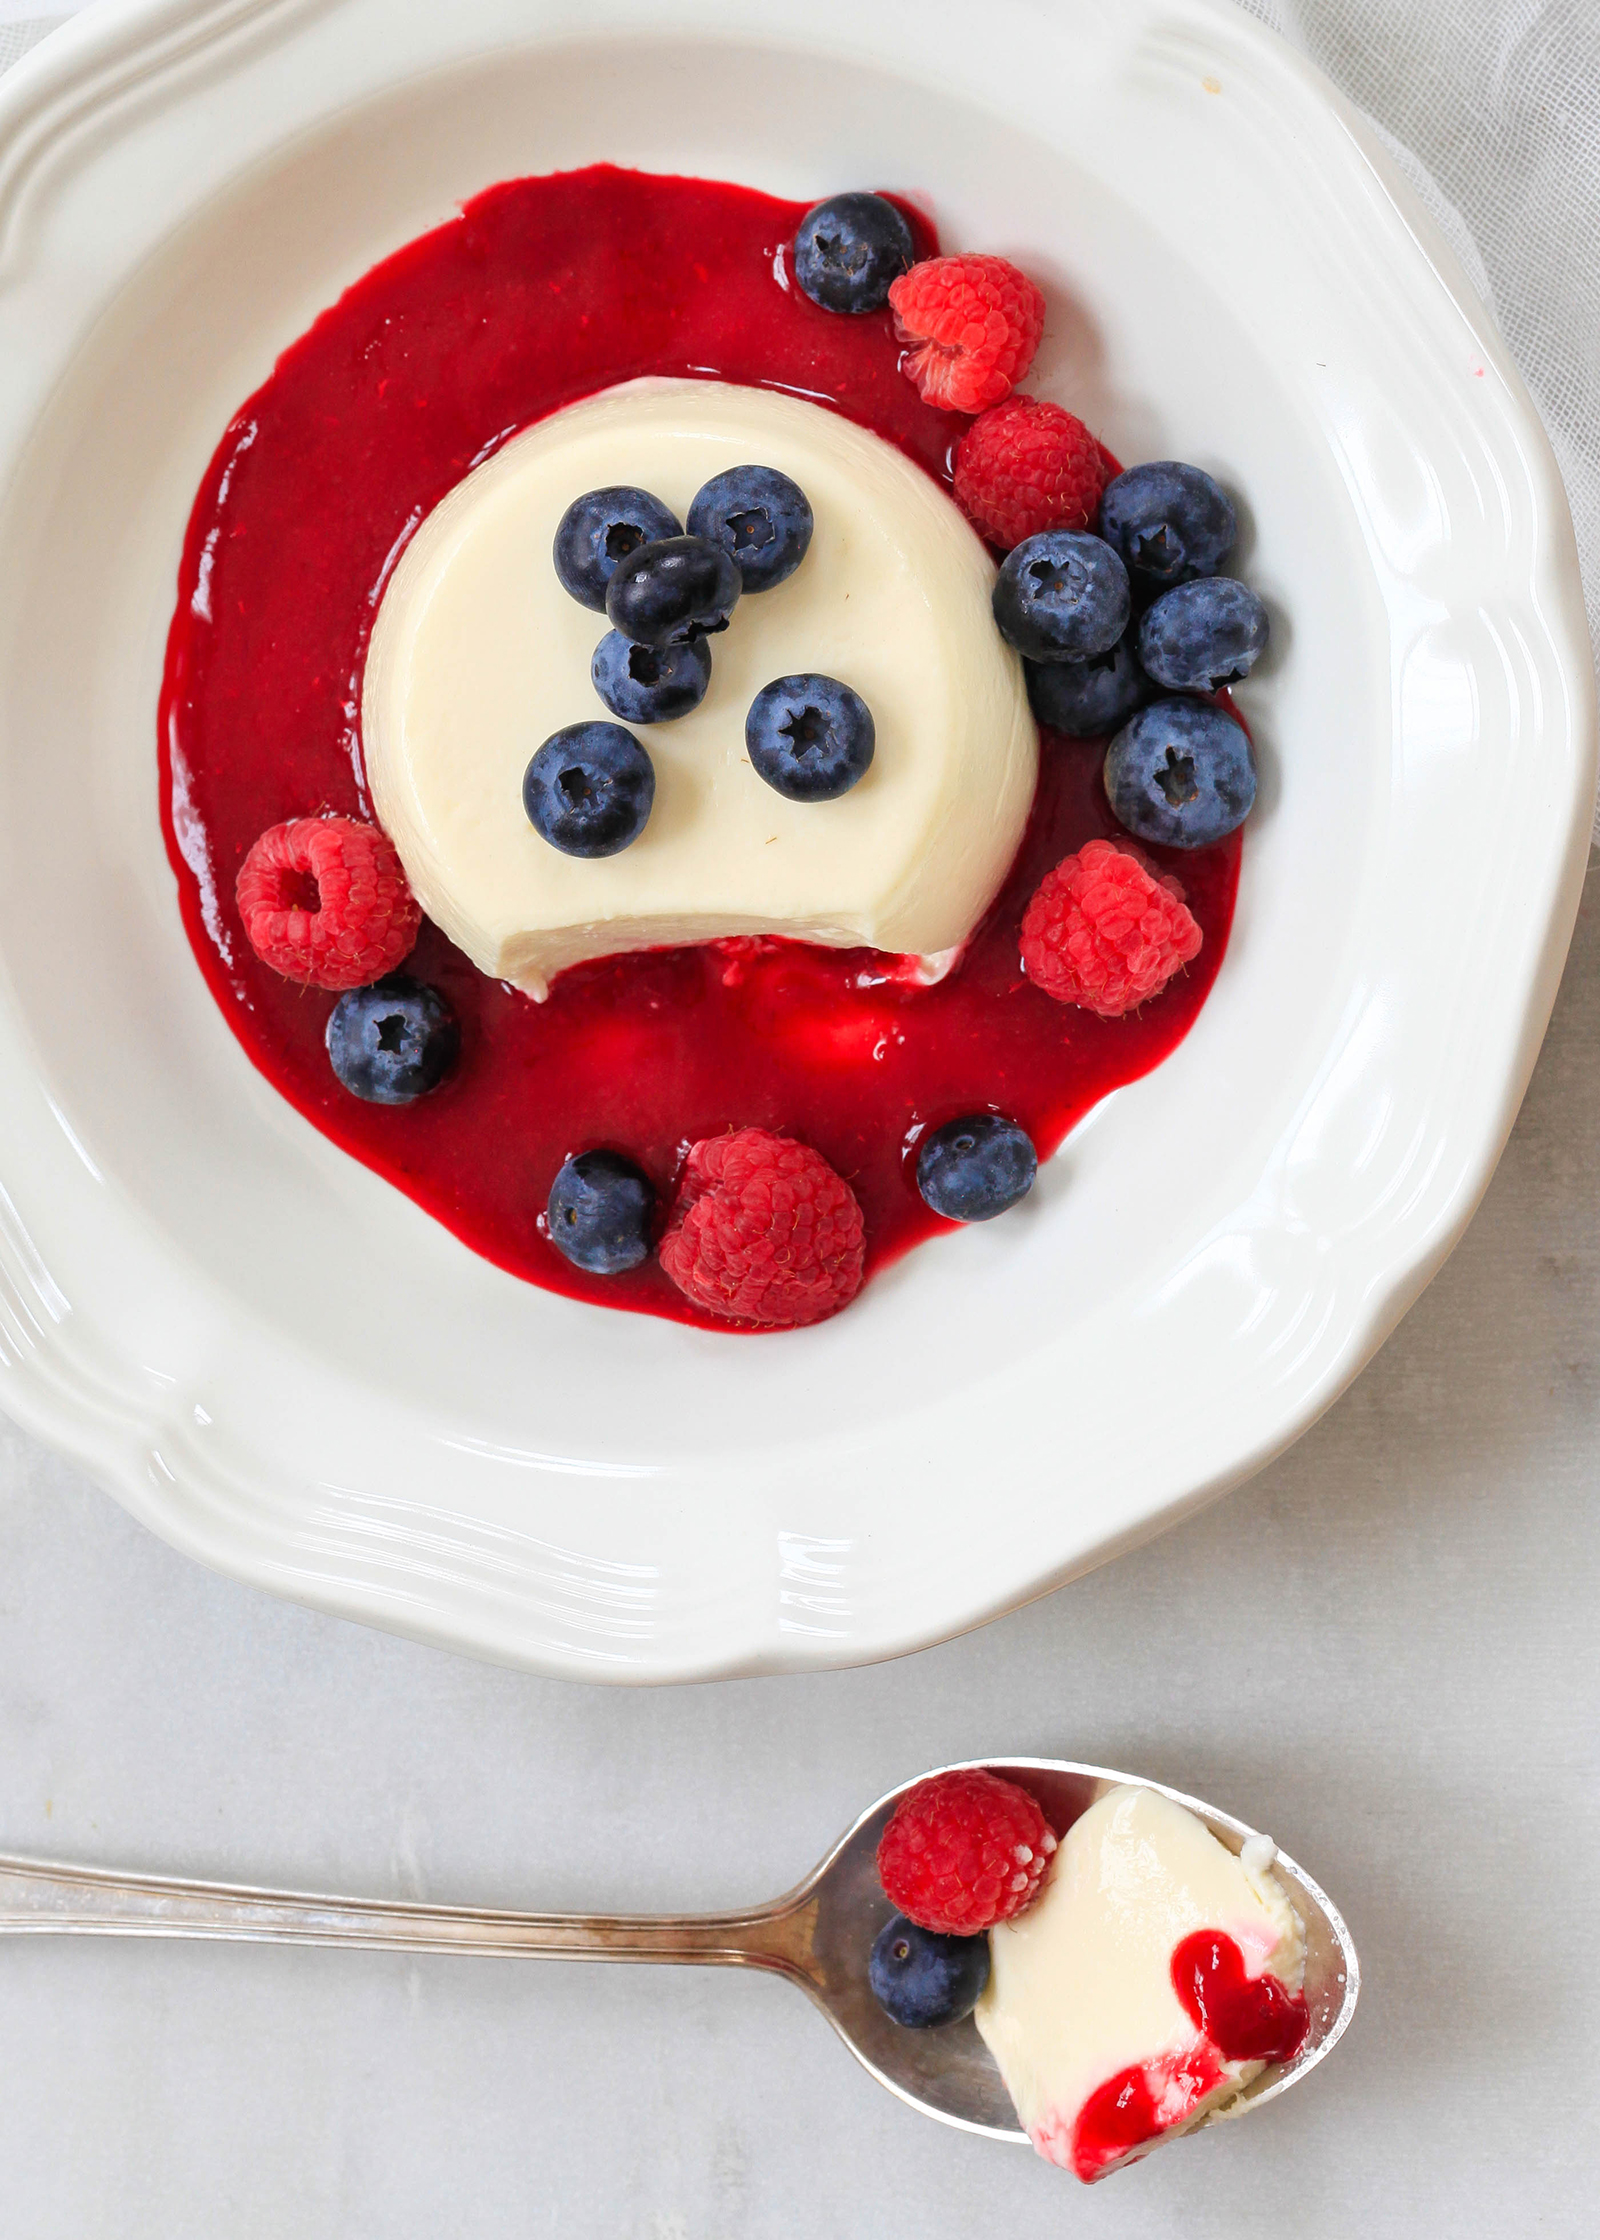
(650, 684)
(1062, 596)
(850, 250)
(1086, 699)
(394, 1041)
(810, 737)
(974, 1168)
(600, 529)
(600, 1213)
(673, 592)
(1181, 774)
(921, 1979)
(760, 518)
(589, 789)
(1169, 522)
(1203, 635)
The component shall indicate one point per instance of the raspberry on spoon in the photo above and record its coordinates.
(963, 1851)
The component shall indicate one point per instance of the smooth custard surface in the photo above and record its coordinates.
(478, 655)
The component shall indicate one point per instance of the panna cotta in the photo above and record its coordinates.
(1152, 1979)
(478, 655)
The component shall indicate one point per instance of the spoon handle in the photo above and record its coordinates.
(41, 1897)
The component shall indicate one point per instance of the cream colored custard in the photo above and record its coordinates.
(1080, 1987)
(478, 655)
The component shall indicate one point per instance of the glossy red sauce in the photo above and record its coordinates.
(540, 292)
(1136, 2104)
(1239, 2017)
(1247, 2018)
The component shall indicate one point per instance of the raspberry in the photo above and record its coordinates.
(971, 326)
(964, 1851)
(1025, 466)
(1106, 931)
(325, 901)
(764, 1231)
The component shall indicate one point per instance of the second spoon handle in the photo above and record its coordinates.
(38, 1897)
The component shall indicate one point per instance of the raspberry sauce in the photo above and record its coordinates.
(1247, 2018)
(1239, 2017)
(1136, 2104)
(543, 291)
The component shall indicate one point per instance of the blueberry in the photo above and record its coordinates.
(1085, 699)
(1062, 596)
(650, 684)
(920, 1978)
(760, 517)
(850, 250)
(1203, 635)
(1181, 774)
(601, 1212)
(601, 528)
(589, 788)
(974, 1168)
(810, 737)
(1169, 522)
(393, 1042)
(673, 592)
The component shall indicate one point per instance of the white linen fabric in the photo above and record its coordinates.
(1491, 108)
(17, 35)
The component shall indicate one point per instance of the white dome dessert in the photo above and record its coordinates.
(478, 655)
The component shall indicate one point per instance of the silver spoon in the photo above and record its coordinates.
(818, 1936)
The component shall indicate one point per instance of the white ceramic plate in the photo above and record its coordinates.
(289, 1370)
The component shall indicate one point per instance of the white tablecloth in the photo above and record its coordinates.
(1385, 1649)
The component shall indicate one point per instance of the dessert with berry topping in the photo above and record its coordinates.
(734, 823)
(632, 609)
(1154, 1978)
(1129, 1979)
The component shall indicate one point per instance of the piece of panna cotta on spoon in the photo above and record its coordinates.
(1139, 1975)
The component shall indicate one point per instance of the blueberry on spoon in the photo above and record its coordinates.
(921, 1979)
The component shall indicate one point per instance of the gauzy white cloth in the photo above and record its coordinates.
(1491, 108)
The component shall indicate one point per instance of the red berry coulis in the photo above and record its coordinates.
(1136, 2103)
(1240, 2018)
(543, 291)
(1247, 2018)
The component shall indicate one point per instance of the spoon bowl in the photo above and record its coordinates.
(949, 2072)
(818, 1935)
